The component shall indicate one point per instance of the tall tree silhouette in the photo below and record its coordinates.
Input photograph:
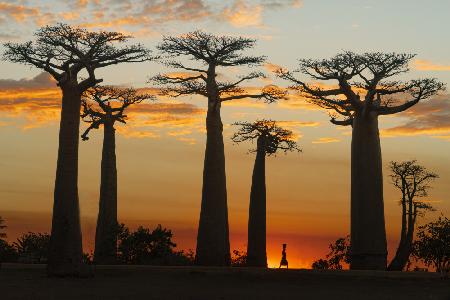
(64, 52)
(270, 138)
(211, 52)
(413, 181)
(104, 106)
(364, 91)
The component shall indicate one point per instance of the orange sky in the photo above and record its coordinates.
(160, 150)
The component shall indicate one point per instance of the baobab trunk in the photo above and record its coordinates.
(106, 233)
(256, 244)
(404, 250)
(213, 245)
(395, 264)
(368, 234)
(65, 250)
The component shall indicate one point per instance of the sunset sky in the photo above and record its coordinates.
(160, 151)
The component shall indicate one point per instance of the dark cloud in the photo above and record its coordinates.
(41, 81)
(430, 117)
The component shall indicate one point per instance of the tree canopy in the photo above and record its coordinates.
(432, 244)
(63, 51)
(361, 82)
(107, 104)
(209, 52)
(276, 138)
(413, 181)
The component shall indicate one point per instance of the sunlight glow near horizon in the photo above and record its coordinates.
(308, 193)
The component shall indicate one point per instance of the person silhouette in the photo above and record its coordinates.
(284, 261)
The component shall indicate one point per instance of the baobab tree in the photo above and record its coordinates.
(363, 91)
(270, 139)
(104, 106)
(413, 181)
(67, 52)
(211, 53)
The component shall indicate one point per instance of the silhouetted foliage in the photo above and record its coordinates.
(150, 247)
(211, 52)
(321, 264)
(239, 258)
(432, 245)
(7, 252)
(338, 255)
(33, 247)
(365, 90)
(413, 182)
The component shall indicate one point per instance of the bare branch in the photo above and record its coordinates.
(111, 103)
(63, 51)
(270, 136)
(420, 90)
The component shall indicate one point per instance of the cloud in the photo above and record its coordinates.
(326, 140)
(243, 14)
(41, 81)
(270, 67)
(38, 102)
(18, 12)
(298, 124)
(426, 65)
(430, 118)
(140, 17)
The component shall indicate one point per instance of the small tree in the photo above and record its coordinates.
(432, 245)
(413, 181)
(144, 246)
(33, 247)
(104, 106)
(212, 52)
(364, 91)
(339, 254)
(239, 259)
(270, 139)
(65, 52)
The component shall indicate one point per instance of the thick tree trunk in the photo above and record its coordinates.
(65, 252)
(256, 244)
(106, 233)
(213, 245)
(396, 263)
(368, 234)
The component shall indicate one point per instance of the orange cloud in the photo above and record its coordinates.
(37, 101)
(428, 118)
(243, 14)
(326, 140)
(298, 124)
(426, 65)
(270, 67)
(18, 12)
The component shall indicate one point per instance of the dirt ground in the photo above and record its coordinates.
(145, 282)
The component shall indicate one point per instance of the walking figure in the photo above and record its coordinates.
(284, 261)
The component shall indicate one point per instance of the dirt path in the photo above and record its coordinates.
(144, 282)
